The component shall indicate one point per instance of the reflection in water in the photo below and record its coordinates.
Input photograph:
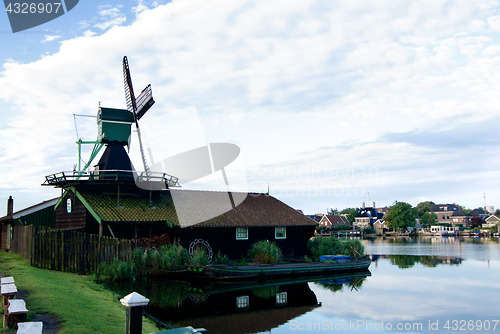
(461, 247)
(408, 261)
(237, 307)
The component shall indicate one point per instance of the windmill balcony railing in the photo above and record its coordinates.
(110, 175)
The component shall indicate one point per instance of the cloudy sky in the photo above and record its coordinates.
(328, 100)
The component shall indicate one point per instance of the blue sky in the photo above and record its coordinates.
(328, 101)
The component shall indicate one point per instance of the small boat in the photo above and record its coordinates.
(335, 264)
(183, 330)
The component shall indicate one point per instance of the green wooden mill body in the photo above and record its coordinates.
(115, 125)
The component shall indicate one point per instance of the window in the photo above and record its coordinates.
(242, 303)
(242, 233)
(281, 299)
(280, 232)
(68, 205)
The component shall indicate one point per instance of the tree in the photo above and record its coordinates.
(333, 212)
(428, 219)
(424, 207)
(351, 213)
(497, 212)
(476, 221)
(400, 215)
(464, 209)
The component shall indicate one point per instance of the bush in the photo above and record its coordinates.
(341, 227)
(117, 270)
(221, 259)
(173, 257)
(265, 252)
(369, 231)
(200, 257)
(146, 262)
(332, 246)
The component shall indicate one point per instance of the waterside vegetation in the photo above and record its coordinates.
(318, 246)
(172, 259)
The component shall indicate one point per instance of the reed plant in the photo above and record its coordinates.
(200, 257)
(173, 257)
(265, 252)
(150, 262)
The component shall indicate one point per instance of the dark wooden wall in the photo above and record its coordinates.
(223, 239)
(3, 237)
(76, 218)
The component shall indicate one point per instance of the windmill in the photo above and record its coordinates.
(138, 107)
(114, 132)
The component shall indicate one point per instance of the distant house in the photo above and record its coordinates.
(379, 224)
(383, 210)
(316, 217)
(366, 217)
(477, 217)
(450, 214)
(492, 220)
(443, 230)
(328, 221)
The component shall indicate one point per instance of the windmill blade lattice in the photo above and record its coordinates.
(138, 107)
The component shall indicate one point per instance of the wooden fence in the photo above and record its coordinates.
(67, 250)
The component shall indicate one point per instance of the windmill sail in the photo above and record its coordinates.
(129, 89)
(145, 102)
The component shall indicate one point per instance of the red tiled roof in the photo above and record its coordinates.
(336, 220)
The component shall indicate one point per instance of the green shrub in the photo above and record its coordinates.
(265, 252)
(173, 257)
(200, 257)
(221, 259)
(117, 270)
(318, 246)
(341, 227)
(369, 231)
(147, 262)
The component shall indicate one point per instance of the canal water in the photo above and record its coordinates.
(414, 285)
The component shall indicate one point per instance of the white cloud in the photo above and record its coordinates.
(50, 38)
(140, 7)
(89, 33)
(112, 15)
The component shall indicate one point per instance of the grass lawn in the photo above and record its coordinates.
(81, 305)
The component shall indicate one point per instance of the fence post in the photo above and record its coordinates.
(134, 303)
